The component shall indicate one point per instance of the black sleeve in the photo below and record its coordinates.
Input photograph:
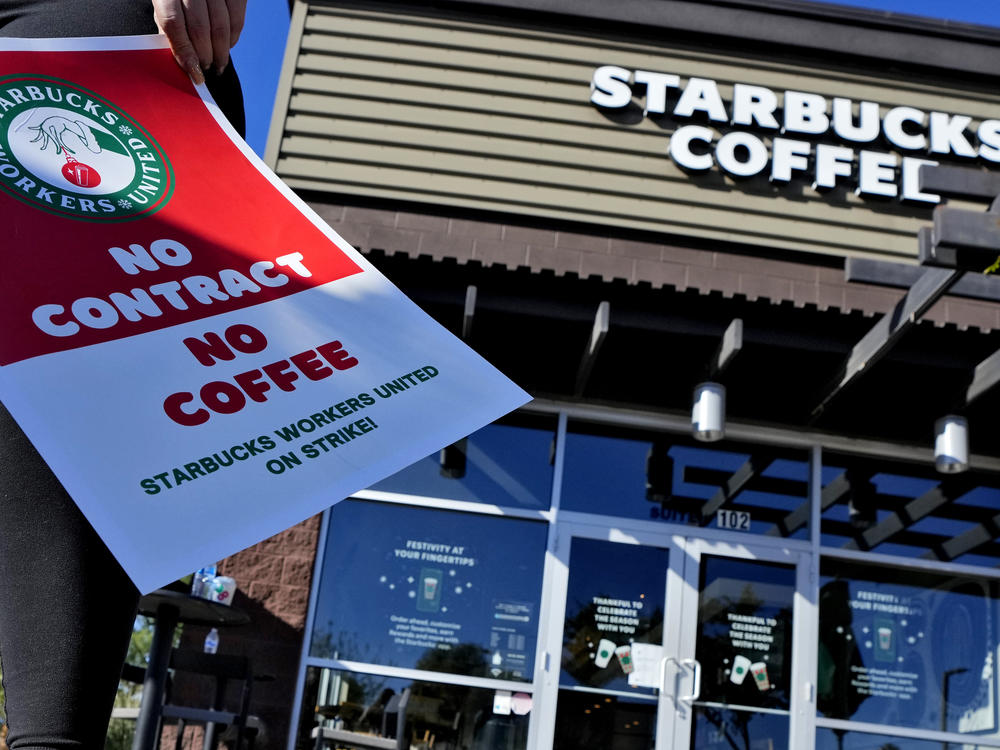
(66, 18)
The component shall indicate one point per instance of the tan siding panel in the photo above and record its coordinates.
(531, 135)
(454, 112)
(456, 80)
(458, 59)
(463, 156)
(516, 150)
(439, 98)
(662, 214)
(710, 232)
(500, 49)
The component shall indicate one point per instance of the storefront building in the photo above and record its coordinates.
(614, 203)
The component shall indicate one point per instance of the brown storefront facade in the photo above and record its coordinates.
(616, 203)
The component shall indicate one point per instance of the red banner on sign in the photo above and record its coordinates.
(114, 224)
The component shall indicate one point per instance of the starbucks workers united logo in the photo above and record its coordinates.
(68, 151)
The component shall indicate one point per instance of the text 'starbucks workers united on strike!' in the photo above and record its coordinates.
(200, 360)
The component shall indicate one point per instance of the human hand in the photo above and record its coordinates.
(200, 32)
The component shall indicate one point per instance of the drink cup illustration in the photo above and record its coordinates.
(624, 654)
(605, 650)
(885, 638)
(741, 667)
(759, 672)
(429, 590)
(430, 587)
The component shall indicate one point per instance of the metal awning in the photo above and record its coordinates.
(643, 347)
(635, 346)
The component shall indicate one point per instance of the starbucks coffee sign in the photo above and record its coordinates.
(67, 151)
(794, 135)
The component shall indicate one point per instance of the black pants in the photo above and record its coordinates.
(66, 606)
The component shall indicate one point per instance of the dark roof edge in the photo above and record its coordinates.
(906, 41)
(882, 19)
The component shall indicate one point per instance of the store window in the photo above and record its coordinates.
(910, 510)
(360, 708)
(908, 648)
(507, 463)
(673, 478)
(430, 589)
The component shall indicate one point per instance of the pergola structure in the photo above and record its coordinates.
(784, 365)
(796, 367)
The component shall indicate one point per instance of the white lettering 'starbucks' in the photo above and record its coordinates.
(67, 151)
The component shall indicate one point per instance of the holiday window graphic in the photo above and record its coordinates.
(438, 601)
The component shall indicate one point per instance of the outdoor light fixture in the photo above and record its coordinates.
(951, 444)
(708, 415)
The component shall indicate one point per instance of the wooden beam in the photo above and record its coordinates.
(469, 312)
(921, 507)
(985, 377)
(964, 240)
(835, 491)
(902, 276)
(875, 344)
(729, 347)
(982, 533)
(602, 321)
(958, 182)
(734, 485)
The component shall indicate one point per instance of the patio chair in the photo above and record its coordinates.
(224, 668)
(393, 732)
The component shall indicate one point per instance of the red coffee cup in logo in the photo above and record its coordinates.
(80, 174)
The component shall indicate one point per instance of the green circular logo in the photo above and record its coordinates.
(67, 151)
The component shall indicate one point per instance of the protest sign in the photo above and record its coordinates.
(200, 360)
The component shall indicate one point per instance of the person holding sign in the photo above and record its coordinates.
(200, 32)
(67, 606)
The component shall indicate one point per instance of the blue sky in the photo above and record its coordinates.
(983, 12)
(259, 54)
(258, 59)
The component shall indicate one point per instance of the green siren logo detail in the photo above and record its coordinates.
(67, 151)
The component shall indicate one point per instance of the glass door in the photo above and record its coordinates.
(622, 605)
(730, 684)
(670, 643)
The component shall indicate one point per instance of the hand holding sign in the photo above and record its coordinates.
(200, 32)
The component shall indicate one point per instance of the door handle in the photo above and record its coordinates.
(696, 679)
(663, 673)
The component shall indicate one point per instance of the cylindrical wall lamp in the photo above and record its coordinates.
(951, 444)
(708, 415)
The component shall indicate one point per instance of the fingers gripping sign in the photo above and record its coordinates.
(200, 32)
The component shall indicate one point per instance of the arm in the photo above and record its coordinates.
(200, 32)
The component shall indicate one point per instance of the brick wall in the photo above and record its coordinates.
(610, 257)
(274, 579)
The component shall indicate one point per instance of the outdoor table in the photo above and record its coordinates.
(171, 608)
(354, 739)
